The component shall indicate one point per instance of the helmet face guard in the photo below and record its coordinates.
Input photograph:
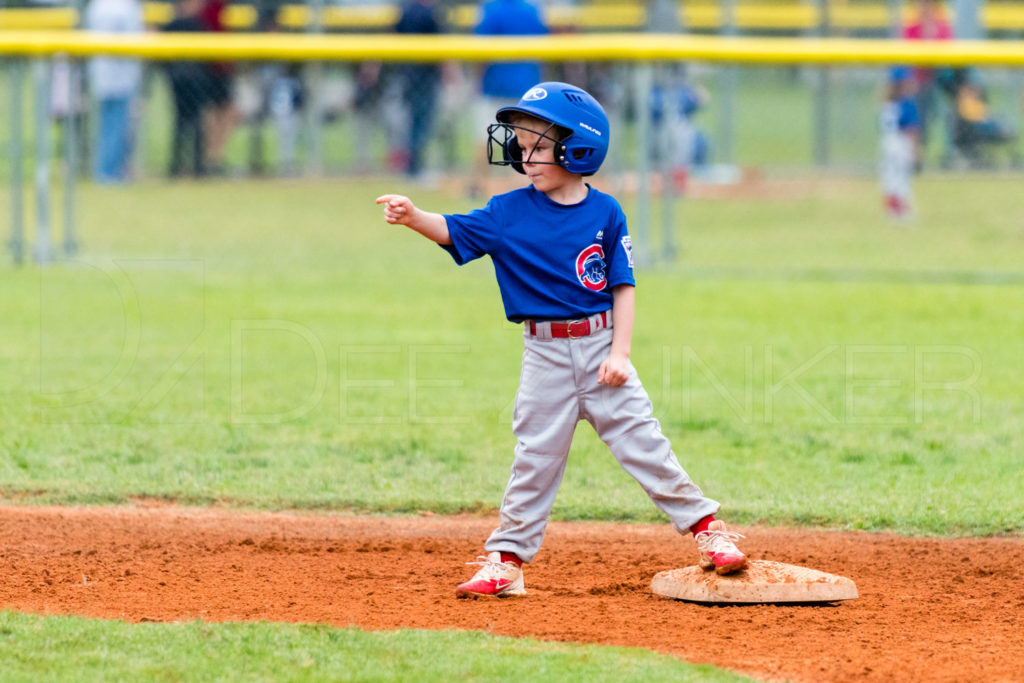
(504, 136)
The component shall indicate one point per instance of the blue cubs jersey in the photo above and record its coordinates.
(552, 261)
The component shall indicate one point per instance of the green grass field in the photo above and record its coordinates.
(36, 649)
(276, 345)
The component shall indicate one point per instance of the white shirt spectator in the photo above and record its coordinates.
(110, 77)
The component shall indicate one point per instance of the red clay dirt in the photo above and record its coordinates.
(929, 609)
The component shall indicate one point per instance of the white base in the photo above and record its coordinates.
(761, 581)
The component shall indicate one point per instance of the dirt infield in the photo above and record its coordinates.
(929, 609)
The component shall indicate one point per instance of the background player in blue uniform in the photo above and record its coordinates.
(900, 126)
(563, 260)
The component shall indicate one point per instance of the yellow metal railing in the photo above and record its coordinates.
(625, 47)
(41, 19)
(706, 16)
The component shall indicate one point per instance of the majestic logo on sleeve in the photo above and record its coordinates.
(590, 268)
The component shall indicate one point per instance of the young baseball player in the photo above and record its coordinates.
(563, 261)
(900, 125)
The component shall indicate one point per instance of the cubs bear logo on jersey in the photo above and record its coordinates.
(590, 268)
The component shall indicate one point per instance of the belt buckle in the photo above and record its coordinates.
(569, 328)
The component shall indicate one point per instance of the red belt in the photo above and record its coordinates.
(576, 328)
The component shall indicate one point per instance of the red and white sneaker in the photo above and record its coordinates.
(495, 579)
(718, 549)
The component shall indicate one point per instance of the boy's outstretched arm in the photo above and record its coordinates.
(614, 370)
(399, 210)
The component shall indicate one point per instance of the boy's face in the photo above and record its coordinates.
(539, 158)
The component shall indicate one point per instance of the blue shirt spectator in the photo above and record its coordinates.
(510, 18)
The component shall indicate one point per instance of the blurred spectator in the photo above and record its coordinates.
(68, 107)
(458, 92)
(675, 141)
(379, 101)
(282, 96)
(900, 124)
(115, 85)
(190, 86)
(221, 115)
(503, 84)
(976, 131)
(287, 98)
(421, 81)
(929, 24)
(508, 81)
(676, 135)
(664, 16)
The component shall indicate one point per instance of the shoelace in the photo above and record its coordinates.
(491, 567)
(713, 541)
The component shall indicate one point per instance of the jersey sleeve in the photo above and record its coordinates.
(473, 234)
(618, 249)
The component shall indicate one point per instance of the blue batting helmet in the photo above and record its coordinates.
(570, 108)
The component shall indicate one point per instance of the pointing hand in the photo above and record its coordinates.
(397, 209)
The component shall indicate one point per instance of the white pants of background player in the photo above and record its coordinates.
(557, 389)
(897, 166)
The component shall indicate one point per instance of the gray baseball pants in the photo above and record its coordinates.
(557, 389)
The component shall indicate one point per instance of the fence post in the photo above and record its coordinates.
(17, 243)
(667, 146)
(1016, 92)
(727, 84)
(71, 142)
(43, 251)
(70, 243)
(618, 105)
(663, 17)
(642, 106)
(314, 77)
(821, 103)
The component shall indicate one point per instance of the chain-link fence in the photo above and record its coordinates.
(257, 118)
(116, 120)
(185, 117)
